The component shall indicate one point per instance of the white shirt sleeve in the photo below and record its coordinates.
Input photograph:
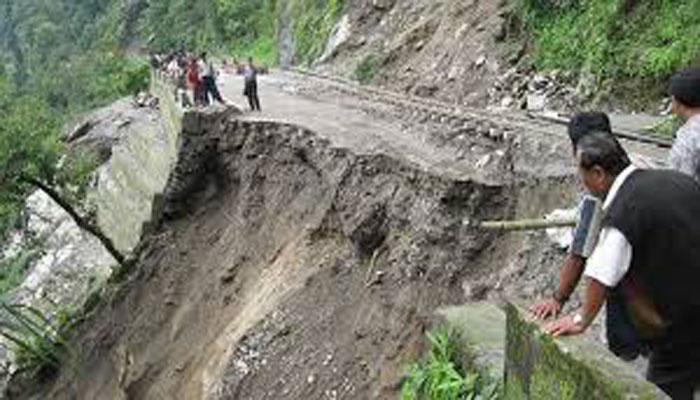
(611, 258)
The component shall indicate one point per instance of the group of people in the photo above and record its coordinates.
(194, 78)
(645, 266)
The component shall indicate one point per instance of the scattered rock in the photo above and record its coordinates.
(383, 5)
(536, 101)
(80, 130)
(524, 89)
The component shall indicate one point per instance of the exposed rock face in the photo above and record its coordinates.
(339, 36)
(445, 48)
(133, 147)
(71, 263)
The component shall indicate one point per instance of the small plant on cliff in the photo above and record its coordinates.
(441, 376)
(13, 269)
(39, 342)
(366, 69)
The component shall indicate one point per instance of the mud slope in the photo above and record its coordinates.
(284, 268)
(287, 267)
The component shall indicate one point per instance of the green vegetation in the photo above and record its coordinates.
(39, 342)
(313, 22)
(366, 69)
(13, 270)
(667, 128)
(242, 28)
(441, 376)
(625, 44)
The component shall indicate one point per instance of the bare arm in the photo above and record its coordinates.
(596, 293)
(569, 277)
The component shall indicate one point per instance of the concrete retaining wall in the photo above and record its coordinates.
(536, 366)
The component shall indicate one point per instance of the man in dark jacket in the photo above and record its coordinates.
(649, 250)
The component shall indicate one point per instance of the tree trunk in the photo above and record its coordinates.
(80, 221)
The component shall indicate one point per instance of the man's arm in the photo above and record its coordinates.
(606, 267)
(569, 277)
(596, 293)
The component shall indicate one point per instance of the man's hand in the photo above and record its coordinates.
(564, 326)
(546, 309)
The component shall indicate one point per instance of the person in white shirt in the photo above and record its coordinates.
(622, 340)
(649, 253)
(208, 74)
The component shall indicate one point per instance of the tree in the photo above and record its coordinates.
(29, 155)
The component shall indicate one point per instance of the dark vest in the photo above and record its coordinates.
(658, 211)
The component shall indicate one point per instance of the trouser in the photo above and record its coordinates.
(685, 390)
(251, 91)
(625, 342)
(623, 339)
(210, 88)
(200, 95)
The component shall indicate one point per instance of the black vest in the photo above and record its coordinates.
(658, 211)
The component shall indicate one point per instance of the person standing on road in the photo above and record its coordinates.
(685, 92)
(194, 81)
(209, 80)
(250, 76)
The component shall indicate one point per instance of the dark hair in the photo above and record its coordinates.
(585, 123)
(203, 55)
(685, 87)
(602, 149)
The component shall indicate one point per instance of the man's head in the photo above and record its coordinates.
(203, 56)
(585, 123)
(685, 91)
(250, 60)
(600, 159)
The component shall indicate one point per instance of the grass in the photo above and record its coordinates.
(13, 270)
(667, 128)
(366, 69)
(637, 46)
(39, 342)
(441, 376)
(263, 50)
(313, 22)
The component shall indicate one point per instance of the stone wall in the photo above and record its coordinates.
(536, 366)
(137, 173)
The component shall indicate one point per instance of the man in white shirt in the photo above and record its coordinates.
(648, 252)
(623, 341)
(208, 74)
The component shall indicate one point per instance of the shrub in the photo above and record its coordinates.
(616, 40)
(39, 343)
(366, 69)
(441, 377)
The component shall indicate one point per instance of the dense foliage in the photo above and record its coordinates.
(624, 43)
(241, 27)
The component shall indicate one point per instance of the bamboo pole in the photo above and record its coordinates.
(527, 224)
